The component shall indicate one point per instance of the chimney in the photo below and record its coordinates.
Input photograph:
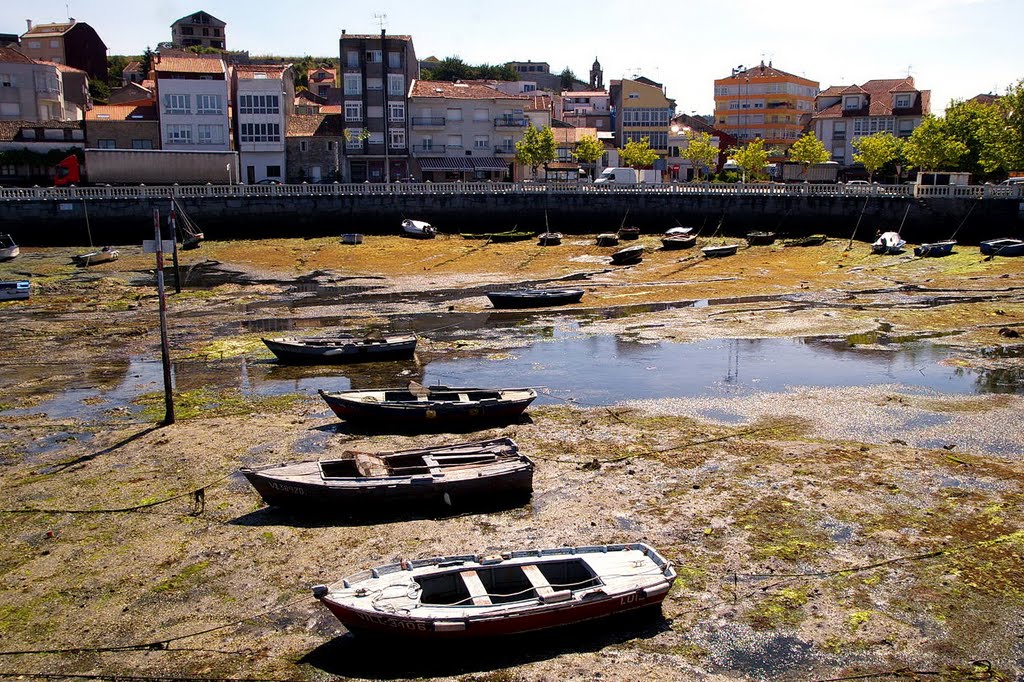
(29, 22)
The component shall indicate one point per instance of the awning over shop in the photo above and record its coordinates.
(489, 163)
(445, 163)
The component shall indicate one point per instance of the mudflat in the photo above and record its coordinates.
(819, 532)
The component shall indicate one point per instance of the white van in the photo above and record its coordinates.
(628, 176)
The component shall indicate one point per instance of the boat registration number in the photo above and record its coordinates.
(293, 489)
(394, 622)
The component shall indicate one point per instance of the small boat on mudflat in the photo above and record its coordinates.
(8, 249)
(720, 251)
(428, 405)
(1002, 247)
(809, 240)
(510, 236)
(104, 255)
(456, 475)
(481, 596)
(534, 298)
(935, 249)
(630, 255)
(676, 242)
(341, 348)
(15, 290)
(607, 239)
(351, 238)
(629, 233)
(418, 229)
(549, 238)
(888, 243)
(760, 238)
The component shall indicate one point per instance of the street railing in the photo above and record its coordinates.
(881, 192)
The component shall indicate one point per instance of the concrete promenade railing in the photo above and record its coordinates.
(497, 188)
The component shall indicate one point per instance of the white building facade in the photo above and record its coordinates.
(263, 95)
(192, 96)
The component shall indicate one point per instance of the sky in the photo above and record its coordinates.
(955, 48)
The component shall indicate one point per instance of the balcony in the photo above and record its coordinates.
(504, 150)
(428, 149)
(510, 122)
(427, 121)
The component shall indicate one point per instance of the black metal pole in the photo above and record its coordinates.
(165, 351)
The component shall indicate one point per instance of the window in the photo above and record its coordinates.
(374, 84)
(179, 133)
(355, 138)
(397, 138)
(851, 103)
(176, 104)
(322, 90)
(353, 111)
(187, 31)
(455, 141)
(106, 144)
(303, 145)
(352, 59)
(481, 141)
(142, 144)
(508, 146)
(210, 134)
(902, 101)
(258, 104)
(260, 132)
(453, 114)
(330, 145)
(10, 109)
(394, 60)
(396, 84)
(8, 80)
(427, 143)
(373, 56)
(529, 87)
(634, 95)
(396, 111)
(54, 44)
(216, 33)
(273, 171)
(208, 104)
(353, 84)
(34, 44)
(480, 115)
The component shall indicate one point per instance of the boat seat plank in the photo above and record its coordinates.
(476, 588)
(537, 579)
(463, 397)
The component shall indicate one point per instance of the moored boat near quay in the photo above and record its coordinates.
(341, 348)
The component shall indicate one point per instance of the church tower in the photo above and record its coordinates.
(596, 76)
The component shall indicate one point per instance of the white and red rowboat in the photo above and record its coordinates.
(473, 596)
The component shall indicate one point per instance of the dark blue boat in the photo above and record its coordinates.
(935, 249)
(534, 298)
(1003, 247)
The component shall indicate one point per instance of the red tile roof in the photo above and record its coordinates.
(194, 64)
(11, 56)
(459, 90)
(121, 112)
(248, 71)
(60, 67)
(880, 99)
(314, 125)
(44, 30)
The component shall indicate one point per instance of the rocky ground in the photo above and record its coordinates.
(812, 539)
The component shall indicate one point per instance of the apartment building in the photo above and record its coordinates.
(122, 126)
(32, 91)
(641, 109)
(764, 102)
(465, 131)
(199, 29)
(74, 43)
(376, 72)
(263, 96)
(585, 109)
(192, 96)
(323, 82)
(843, 113)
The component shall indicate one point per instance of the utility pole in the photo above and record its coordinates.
(165, 351)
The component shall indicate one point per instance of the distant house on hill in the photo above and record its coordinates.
(74, 43)
(199, 29)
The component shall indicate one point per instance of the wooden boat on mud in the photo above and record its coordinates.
(418, 229)
(15, 290)
(8, 249)
(720, 251)
(760, 238)
(935, 249)
(607, 239)
(510, 236)
(631, 255)
(425, 406)
(104, 255)
(456, 475)
(629, 233)
(341, 348)
(888, 243)
(809, 240)
(473, 596)
(549, 238)
(534, 298)
(676, 242)
(1002, 247)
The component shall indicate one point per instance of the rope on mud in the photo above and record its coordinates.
(982, 671)
(198, 496)
(155, 645)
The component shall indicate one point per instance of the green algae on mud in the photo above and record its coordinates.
(204, 402)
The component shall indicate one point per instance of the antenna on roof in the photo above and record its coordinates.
(909, 67)
(67, 9)
(382, 19)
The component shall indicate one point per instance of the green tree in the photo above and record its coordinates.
(751, 158)
(537, 147)
(454, 69)
(699, 152)
(931, 148)
(638, 153)
(876, 151)
(567, 78)
(1010, 140)
(980, 127)
(807, 150)
(147, 62)
(589, 150)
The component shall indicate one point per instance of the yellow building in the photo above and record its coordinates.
(764, 102)
(641, 109)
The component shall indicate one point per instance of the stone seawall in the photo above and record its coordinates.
(124, 221)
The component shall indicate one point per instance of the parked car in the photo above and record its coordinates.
(268, 181)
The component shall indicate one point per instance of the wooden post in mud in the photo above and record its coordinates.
(165, 351)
